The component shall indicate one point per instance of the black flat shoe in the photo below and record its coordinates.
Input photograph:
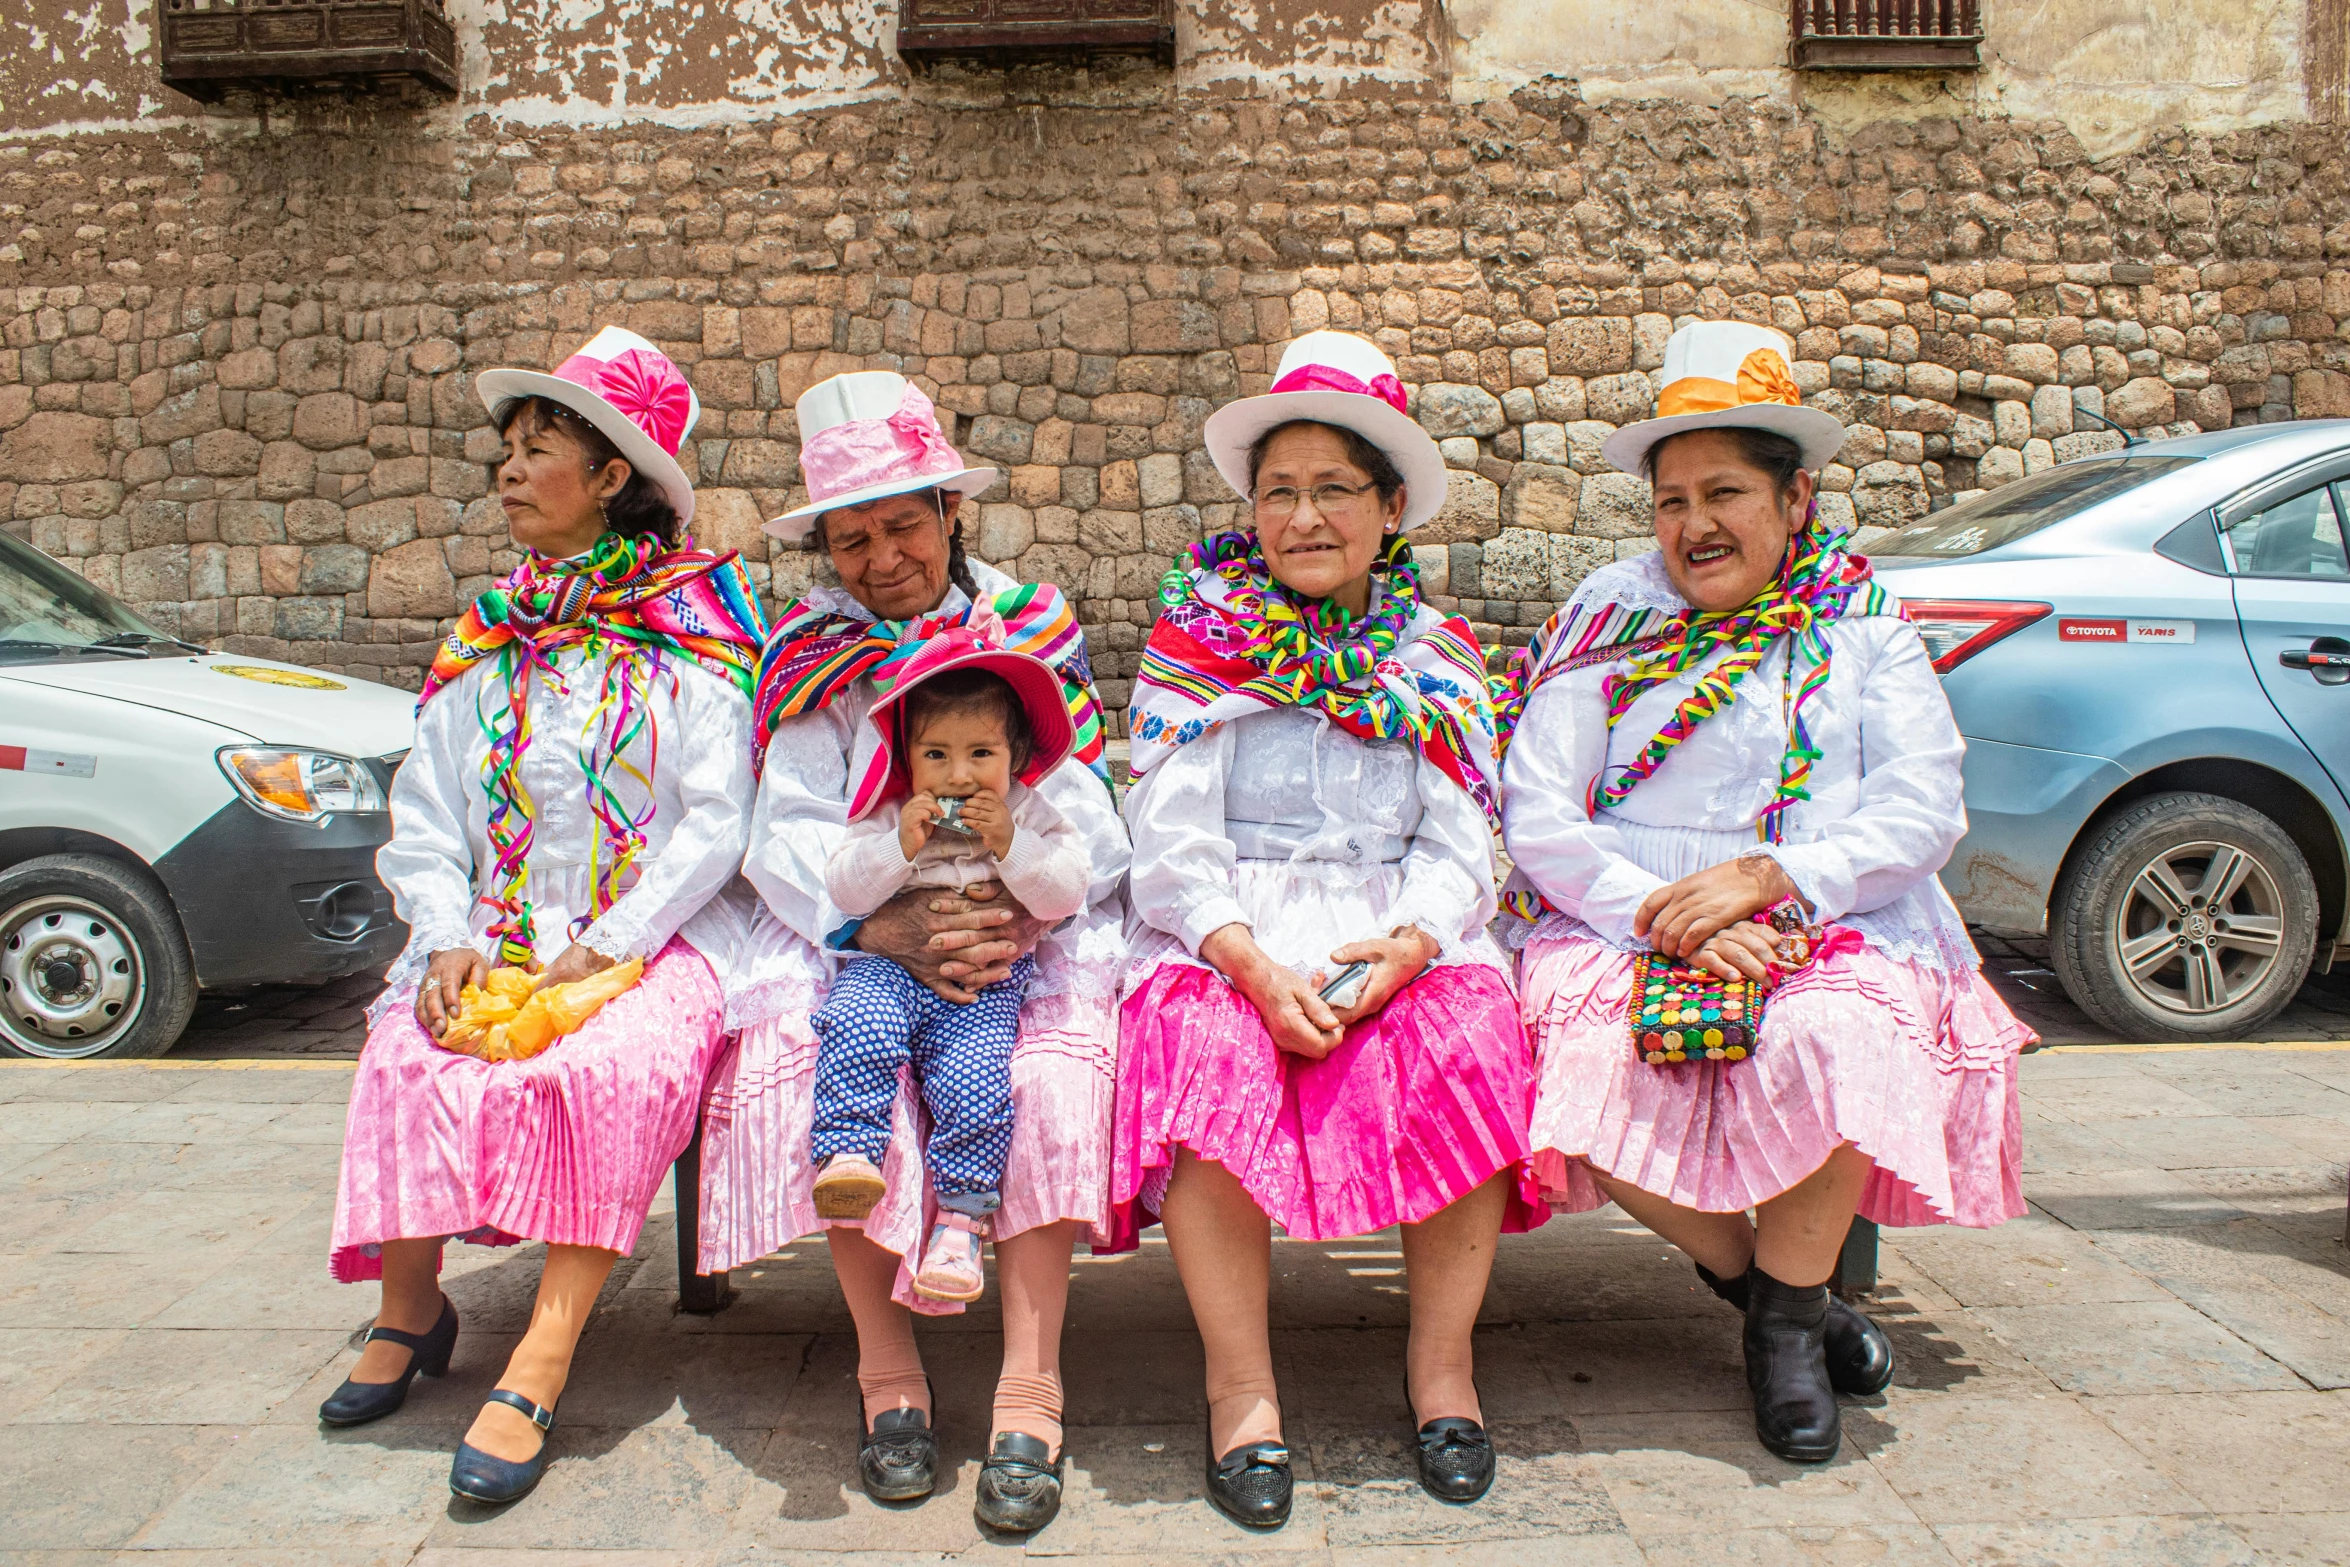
(1019, 1490)
(1795, 1412)
(1860, 1357)
(1456, 1459)
(356, 1403)
(897, 1455)
(1251, 1485)
(479, 1477)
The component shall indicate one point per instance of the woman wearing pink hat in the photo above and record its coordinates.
(1317, 1032)
(577, 797)
(885, 491)
(1732, 781)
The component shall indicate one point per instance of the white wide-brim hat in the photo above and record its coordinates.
(868, 435)
(1335, 378)
(626, 388)
(1728, 375)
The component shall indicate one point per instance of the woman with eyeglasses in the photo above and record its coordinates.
(1316, 1030)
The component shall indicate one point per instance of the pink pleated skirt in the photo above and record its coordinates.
(569, 1147)
(758, 1179)
(1415, 1109)
(1914, 1067)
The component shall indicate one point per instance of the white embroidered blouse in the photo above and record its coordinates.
(1885, 810)
(697, 755)
(1310, 836)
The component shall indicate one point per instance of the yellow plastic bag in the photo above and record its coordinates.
(511, 1017)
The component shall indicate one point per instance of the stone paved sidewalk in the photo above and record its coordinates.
(2150, 1369)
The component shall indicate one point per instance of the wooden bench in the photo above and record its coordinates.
(700, 1293)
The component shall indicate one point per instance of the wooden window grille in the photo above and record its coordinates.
(1888, 35)
(1003, 31)
(209, 46)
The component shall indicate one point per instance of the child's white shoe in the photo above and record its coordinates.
(847, 1187)
(951, 1265)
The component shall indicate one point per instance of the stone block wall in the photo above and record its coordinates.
(235, 371)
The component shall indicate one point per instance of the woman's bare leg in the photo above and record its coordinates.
(541, 1363)
(1447, 1258)
(1223, 1246)
(1034, 1267)
(889, 1365)
(1723, 1242)
(411, 1303)
(1799, 1233)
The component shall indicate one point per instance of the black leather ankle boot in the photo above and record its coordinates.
(1860, 1357)
(1787, 1369)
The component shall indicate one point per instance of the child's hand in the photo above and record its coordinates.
(986, 814)
(914, 824)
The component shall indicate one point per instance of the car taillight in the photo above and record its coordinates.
(1955, 630)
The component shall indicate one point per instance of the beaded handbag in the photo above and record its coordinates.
(1681, 1013)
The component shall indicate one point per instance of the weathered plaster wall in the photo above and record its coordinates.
(2113, 72)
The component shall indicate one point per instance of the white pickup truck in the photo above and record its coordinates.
(173, 819)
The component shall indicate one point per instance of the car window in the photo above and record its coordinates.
(42, 601)
(2300, 537)
(2013, 511)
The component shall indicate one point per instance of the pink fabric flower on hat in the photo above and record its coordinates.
(864, 452)
(642, 385)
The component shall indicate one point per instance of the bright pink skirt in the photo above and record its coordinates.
(1417, 1108)
(1914, 1067)
(569, 1147)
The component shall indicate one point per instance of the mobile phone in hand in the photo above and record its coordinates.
(1346, 988)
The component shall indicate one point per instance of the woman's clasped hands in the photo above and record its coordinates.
(1291, 1003)
(1707, 919)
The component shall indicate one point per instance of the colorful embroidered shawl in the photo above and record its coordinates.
(1819, 582)
(817, 654)
(628, 596)
(1231, 641)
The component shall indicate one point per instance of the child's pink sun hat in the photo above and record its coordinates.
(1035, 684)
(867, 435)
(627, 389)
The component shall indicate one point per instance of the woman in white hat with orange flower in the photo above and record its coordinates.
(1731, 780)
(885, 502)
(577, 798)
(1317, 1031)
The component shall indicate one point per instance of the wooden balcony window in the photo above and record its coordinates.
(1004, 31)
(1888, 35)
(210, 46)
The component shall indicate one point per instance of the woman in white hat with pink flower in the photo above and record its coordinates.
(886, 493)
(577, 798)
(1317, 1031)
(1728, 791)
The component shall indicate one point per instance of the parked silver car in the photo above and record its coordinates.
(2149, 655)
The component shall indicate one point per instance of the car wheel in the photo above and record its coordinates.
(2185, 917)
(92, 963)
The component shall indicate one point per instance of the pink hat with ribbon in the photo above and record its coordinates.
(978, 645)
(868, 435)
(1335, 378)
(626, 388)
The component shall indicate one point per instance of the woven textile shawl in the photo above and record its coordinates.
(1211, 659)
(627, 597)
(817, 654)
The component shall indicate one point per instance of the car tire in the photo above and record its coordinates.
(2138, 893)
(93, 965)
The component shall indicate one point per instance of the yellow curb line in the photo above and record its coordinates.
(195, 1066)
(2154, 1049)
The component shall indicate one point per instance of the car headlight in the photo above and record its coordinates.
(301, 786)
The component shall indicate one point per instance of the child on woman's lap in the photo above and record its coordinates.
(956, 733)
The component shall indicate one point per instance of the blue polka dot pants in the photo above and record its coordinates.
(876, 1019)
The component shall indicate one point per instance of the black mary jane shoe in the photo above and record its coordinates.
(480, 1477)
(356, 1403)
(1795, 1413)
(1456, 1459)
(1019, 1487)
(897, 1455)
(1860, 1357)
(1251, 1485)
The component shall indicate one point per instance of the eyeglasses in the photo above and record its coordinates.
(1331, 500)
